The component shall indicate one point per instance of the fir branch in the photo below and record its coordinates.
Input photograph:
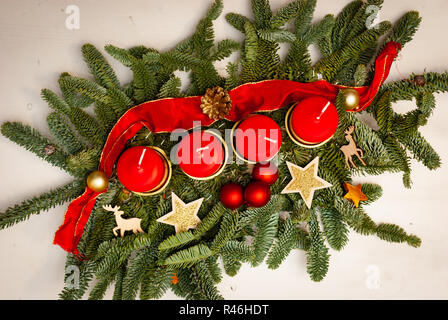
(224, 49)
(118, 290)
(33, 141)
(393, 233)
(287, 240)
(120, 54)
(317, 254)
(99, 290)
(233, 79)
(85, 87)
(320, 30)
(277, 35)
(421, 150)
(187, 257)
(177, 240)
(135, 273)
(330, 66)
(404, 30)
(55, 102)
(356, 218)
(84, 161)
(205, 282)
(99, 67)
(372, 191)
(118, 101)
(64, 134)
(343, 20)
(250, 44)
(335, 229)
(237, 250)
(213, 268)
(73, 98)
(237, 20)
(75, 290)
(210, 220)
(360, 76)
(170, 89)
(304, 17)
(226, 231)
(285, 14)
(155, 283)
(262, 12)
(266, 231)
(87, 127)
(399, 156)
(231, 265)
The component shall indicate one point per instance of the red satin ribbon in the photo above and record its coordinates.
(166, 115)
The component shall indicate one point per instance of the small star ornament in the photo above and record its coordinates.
(305, 181)
(354, 194)
(184, 216)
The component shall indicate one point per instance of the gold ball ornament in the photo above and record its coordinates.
(97, 181)
(350, 98)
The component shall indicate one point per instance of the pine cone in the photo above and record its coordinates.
(216, 103)
(420, 80)
(49, 150)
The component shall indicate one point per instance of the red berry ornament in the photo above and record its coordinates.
(231, 196)
(257, 194)
(266, 172)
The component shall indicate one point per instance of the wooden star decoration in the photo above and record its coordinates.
(305, 181)
(354, 194)
(184, 216)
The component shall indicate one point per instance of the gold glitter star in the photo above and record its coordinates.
(184, 216)
(305, 181)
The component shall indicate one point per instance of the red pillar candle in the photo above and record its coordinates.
(202, 154)
(144, 170)
(312, 121)
(256, 139)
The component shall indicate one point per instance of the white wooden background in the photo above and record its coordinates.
(36, 47)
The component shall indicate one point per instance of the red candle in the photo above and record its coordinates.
(201, 154)
(257, 138)
(143, 169)
(312, 121)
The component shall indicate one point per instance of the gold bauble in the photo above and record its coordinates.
(97, 181)
(350, 97)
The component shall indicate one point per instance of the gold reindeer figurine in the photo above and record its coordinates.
(351, 149)
(132, 224)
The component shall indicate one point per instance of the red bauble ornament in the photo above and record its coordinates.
(257, 138)
(143, 169)
(231, 195)
(202, 154)
(312, 121)
(266, 172)
(257, 194)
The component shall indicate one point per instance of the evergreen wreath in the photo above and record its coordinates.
(147, 264)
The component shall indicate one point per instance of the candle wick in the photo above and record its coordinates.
(141, 157)
(323, 110)
(270, 140)
(200, 149)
